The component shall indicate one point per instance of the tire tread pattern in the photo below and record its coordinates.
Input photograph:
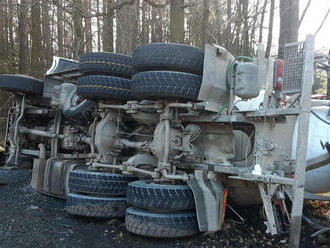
(145, 195)
(169, 56)
(161, 225)
(91, 206)
(92, 182)
(104, 87)
(112, 64)
(165, 84)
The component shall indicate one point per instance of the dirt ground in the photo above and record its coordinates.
(30, 219)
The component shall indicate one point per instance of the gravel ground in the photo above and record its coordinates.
(30, 219)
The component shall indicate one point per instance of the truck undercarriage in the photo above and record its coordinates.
(165, 145)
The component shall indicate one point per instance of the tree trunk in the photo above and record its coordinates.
(262, 20)
(238, 24)
(205, 22)
(47, 36)
(245, 39)
(11, 29)
(153, 25)
(107, 37)
(228, 28)
(60, 30)
(88, 26)
(145, 23)
(135, 33)
(270, 29)
(3, 40)
(36, 65)
(289, 21)
(177, 21)
(23, 38)
(121, 18)
(254, 26)
(98, 25)
(78, 39)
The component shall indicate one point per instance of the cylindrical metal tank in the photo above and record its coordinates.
(318, 180)
(246, 80)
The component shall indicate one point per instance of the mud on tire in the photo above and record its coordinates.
(100, 87)
(165, 84)
(106, 63)
(100, 183)
(161, 225)
(92, 206)
(148, 195)
(169, 57)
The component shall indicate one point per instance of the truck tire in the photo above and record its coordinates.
(148, 195)
(92, 206)
(165, 84)
(78, 110)
(100, 87)
(8, 176)
(169, 57)
(99, 183)
(106, 63)
(161, 225)
(21, 83)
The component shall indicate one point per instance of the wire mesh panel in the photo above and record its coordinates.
(294, 54)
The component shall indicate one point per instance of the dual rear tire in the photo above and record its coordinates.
(156, 71)
(167, 71)
(97, 194)
(105, 76)
(161, 211)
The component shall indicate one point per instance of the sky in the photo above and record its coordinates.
(310, 24)
(313, 19)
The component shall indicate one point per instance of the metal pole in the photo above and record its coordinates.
(303, 118)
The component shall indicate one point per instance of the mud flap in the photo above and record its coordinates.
(56, 176)
(38, 174)
(209, 194)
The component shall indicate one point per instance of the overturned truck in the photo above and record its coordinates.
(166, 136)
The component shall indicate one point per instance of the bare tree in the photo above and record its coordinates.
(206, 13)
(228, 28)
(67, 26)
(177, 21)
(270, 28)
(245, 37)
(46, 35)
(36, 65)
(261, 27)
(60, 30)
(238, 25)
(88, 25)
(98, 25)
(23, 38)
(289, 22)
(78, 37)
(3, 39)
(107, 37)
